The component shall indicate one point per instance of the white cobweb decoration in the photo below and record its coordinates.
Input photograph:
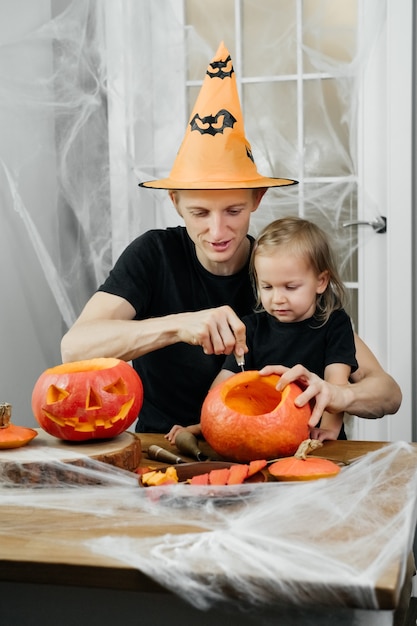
(246, 546)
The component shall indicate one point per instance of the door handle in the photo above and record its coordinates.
(379, 224)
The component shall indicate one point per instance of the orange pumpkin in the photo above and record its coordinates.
(303, 467)
(245, 418)
(12, 436)
(91, 399)
(311, 468)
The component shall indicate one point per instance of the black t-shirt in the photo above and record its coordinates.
(309, 342)
(159, 274)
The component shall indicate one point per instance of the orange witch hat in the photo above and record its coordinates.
(215, 153)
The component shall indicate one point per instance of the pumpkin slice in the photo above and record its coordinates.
(219, 476)
(256, 466)
(200, 479)
(155, 478)
(237, 474)
(147, 476)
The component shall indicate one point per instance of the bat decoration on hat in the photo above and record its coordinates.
(249, 154)
(219, 65)
(210, 123)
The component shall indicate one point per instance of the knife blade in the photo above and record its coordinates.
(240, 360)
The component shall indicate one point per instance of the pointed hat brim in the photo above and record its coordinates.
(215, 153)
(259, 183)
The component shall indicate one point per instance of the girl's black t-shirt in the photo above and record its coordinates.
(309, 342)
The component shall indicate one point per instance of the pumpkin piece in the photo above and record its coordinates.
(256, 466)
(237, 474)
(311, 468)
(12, 436)
(219, 476)
(147, 476)
(158, 477)
(155, 479)
(91, 399)
(200, 479)
(171, 474)
(245, 418)
(142, 470)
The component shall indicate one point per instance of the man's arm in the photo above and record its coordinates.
(376, 393)
(106, 328)
(373, 393)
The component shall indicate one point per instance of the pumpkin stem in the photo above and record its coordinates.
(306, 446)
(5, 414)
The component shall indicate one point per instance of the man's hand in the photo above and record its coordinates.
(217, 331)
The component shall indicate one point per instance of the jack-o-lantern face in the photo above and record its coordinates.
(92, 399)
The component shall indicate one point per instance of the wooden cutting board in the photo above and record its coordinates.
(45, 458)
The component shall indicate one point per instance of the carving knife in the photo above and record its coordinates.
(165, 456)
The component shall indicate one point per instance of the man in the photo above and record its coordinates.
(173, 302)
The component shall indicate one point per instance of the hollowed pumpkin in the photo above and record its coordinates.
(91, 399)
(245, 418)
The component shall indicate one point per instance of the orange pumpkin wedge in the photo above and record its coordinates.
(237, 474)
(200, 479)
(219, 476)
(256, 466)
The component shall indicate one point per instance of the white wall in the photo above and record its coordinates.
(24, 134)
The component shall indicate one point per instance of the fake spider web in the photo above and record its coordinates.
(246, 545)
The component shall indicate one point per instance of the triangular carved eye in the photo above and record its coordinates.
(119, 388)
(56, 394)
(93, 400)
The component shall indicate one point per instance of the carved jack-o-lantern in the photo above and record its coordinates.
(92, 399)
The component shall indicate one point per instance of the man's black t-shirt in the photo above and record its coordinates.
(159, 274)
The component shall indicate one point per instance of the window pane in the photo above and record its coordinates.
(330, 206)
(269, 28)
(329, 33)
(271, 126)
(327, 151)
(208, 23)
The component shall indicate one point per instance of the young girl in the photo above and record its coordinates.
(300, 316)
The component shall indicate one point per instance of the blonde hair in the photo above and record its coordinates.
(306, 239)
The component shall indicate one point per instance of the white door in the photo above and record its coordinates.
(385, 311)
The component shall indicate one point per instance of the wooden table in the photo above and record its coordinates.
(49, 548)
